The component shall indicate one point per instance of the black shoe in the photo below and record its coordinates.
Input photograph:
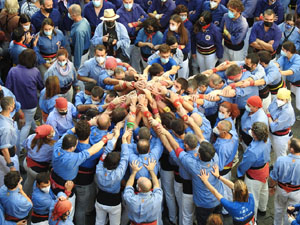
(261, 213)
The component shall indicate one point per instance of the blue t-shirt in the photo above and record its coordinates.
(168, 66)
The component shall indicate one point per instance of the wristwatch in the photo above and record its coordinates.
(168, 95)
(11, 164)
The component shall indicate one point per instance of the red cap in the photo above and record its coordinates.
(111, 63)
(255, 101)
(60, 208)
(61, 103)
(43, 131)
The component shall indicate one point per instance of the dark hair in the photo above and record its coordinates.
(17, 34)
(164, 48)
(69, 141)
(27, 58)
(214, 219)
(202, 79)
(290, 17)
(143, 146)
(181, 9)
(91, 113)
(62, 51)
(236, 4)
(183, 82)
(264, 56)
(100, 48)
(171, 40)
(207, 17)
(155, 69)
(89, 86)
(253, 57)
(182, 31)
(118, 114)
(24, 18)
(112, 93)
(177, 125)
(6, 102)
(166, 119)
(47, 21)
(97, 92)
(269, 12)
(12, 179)
(233, 70)
(144, 133)
(52, 86)
(206, 151)
(151, 22)
(39, 142)
(295, 144)
(289, 46)
(261, 131)
(43, 177)
(112, 160)
(82, 130)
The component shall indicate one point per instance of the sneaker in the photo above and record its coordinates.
(261, 213)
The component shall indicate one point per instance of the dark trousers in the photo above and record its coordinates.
(202, 214)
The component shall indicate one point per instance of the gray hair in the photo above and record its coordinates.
(191, 140)
(11, 6)
(75, 9)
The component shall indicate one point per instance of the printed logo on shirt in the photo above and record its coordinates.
(143, 200)
(207, 37)
(192, 12)
(216, 23)
(293, 160)
(58, 44)
(145, 158)
(58, 154)
(149, 2)
(208, 165)
(105, 174)
(196, 154)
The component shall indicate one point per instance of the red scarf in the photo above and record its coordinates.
(149, 36)
(18, 43)
(206, 26)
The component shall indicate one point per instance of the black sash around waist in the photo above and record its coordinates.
(109, 199)
(246, 137)
(85, 176)
(264, 93)
(229, 45)
(61, 182)
(187, 187)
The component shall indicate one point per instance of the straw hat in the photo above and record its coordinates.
(109, 14)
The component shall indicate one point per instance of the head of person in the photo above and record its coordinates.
(61, 105)
(11, 6)
(91, 113)
(177, 26)
(259, 131)
(62, 57)
(253, 104)
(8, 104)
(110, 96)
(100, 54)
(264, 58)
(47, 28)
(18, 34)
(180, 85)
(43, 182)
(103, 122)
(144, 133)
(240, 191)
(27, 58)
(109, 18)
(294, 145)
(61, 210)
(235, 8)
(151, 25)
(12, 180)
(110, 65)
(192, 87)
(156, 70)
(289, 22)
(206, 151)
(251, 61)
(272, 2)
(75, 12)
(233, 73)
(97, 3)
(214, 219)
(215, 81)
(227, 109)
(112, 160)
(82, 130)
(223, 128)
(46, 6)
(119, 73)
(269, 18)
(202, 82)
(128, 4)
(69, 143)
(88, 87)
(43, 135)
(144, 184)
(182, 11)
(97, 94)
(166, 119)
(173, 43)
(177, 126)
(25, 22)
(52, 86)
(203, 22)
(288, 49)
(118, 114)
(143, 146)
(283, 96)
(190, 141)
(214, 4)
(164, 53)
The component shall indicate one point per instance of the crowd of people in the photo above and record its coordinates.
(120, 112)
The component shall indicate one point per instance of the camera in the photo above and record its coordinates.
(291, 212)
(110, 39)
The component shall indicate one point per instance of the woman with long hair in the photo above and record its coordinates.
(29, 29)
(59, 214)
(182, 35)
(228, 111)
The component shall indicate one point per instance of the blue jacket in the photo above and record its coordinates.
(291, 64)
(263, 5)
(217, 14)
(166, 9)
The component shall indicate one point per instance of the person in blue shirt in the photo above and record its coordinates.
(217, 10)
(207, 45)
(291, 217)
(183, 12)
(82, 97)
(66, 22)
(80, 36)
(248, 13)
(169, 64)
(3, 221)
(164, 9)
(265, 35)
(289, 63)
(242, 207)
(234, 27)
(60, 212)
(284, 181)
(255, 166)
(46, 11)
(94, 10)
(281, 118)
(274, 5)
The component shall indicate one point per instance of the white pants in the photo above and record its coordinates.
(178, 187)
(280, 144)
(4, 169)
(73, 201)
(188, 209)
(296, 91)
(68, 95)
(227, 191)
(206, 62)
(114, 213)
(281, 202)
(184, 71)
(41, 223)
(232, 55)
(266, 102)
(260, 193)
(167, 181)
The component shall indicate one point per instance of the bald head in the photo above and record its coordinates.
(225, 125)
(103, 121)
(144, 184)
(75, 10)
